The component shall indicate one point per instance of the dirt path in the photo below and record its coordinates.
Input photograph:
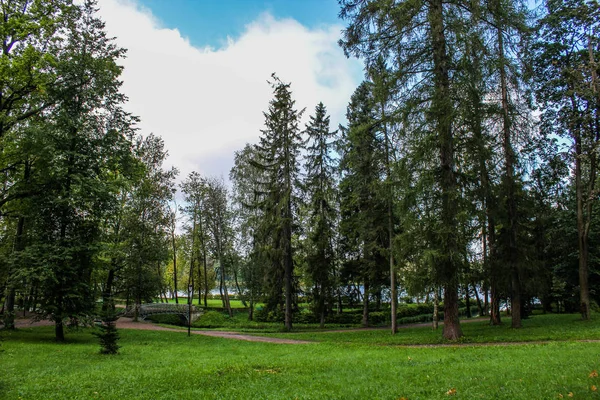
(127, 323)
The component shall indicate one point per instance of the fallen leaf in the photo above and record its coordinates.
(451, 392)
(594, 388)
(594, 374)
(570, 394)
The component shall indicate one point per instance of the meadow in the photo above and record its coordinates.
(338, 365)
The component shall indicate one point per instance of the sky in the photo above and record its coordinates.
(196, 71)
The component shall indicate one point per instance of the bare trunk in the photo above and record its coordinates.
(59, 330)
(436, 307)
(478, 300)
(511, 204)
(239, 290)
(442, 112)
(365, 318)
(174, 266)
(467, 301)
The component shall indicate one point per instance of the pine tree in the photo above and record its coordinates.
(108, 335)
(278, 158)
(321, 189)
(363, 224)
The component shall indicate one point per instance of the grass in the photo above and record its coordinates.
(343, 365)
(211, 303)
(536, 328)
(169, 365)
(240, 323)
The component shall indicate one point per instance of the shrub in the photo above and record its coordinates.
(212, 319)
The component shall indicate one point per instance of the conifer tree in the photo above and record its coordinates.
(278, 159)
(363, 223)
(321, 189)
(418, 36)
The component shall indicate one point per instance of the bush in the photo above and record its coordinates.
(212, 319)
(345, 318)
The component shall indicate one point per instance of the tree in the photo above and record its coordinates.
(248, 217)
(362, 205)
(320, 186)
(219, 228)
(418, 35)
(194, 189)
(79, 146)
(146, 223)
(567, 88)
(278, 153)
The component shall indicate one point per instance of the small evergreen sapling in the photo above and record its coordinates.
(108, 335)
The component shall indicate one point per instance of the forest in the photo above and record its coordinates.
(463, 179)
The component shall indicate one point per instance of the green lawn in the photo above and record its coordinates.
(169, 365)
(535, 328)
(212, 303)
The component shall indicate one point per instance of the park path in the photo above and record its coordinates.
(127, 323)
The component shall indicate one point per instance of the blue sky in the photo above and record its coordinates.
(196, 71)
(210, 22)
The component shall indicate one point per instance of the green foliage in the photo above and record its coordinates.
(212, 319)
(108, 335)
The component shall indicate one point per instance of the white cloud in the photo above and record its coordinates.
(207, 103)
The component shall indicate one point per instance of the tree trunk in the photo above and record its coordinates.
(486, 301)
(174, 266)
(478, 300)
(59, 330)
(584, 217)
(237, 286)
(467, 301)
(251, 310)
(107, 292)
(436, 307)
(365, 318)
(511, 203)
(442, 110)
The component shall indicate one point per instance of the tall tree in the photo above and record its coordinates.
(194, 190)
(362, 205)
(220, 231)
(418, 36)
(246, 181)
(321, 189)
(278, 158)
(566, 78)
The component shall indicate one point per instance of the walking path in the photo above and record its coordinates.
(127, 323)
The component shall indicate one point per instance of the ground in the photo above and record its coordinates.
(336, 365)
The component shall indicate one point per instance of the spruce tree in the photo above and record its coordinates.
(320, 186)
(278, 158)
(363, 219)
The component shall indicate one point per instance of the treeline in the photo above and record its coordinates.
(84, 198)
(468, 164)
(467, 167)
